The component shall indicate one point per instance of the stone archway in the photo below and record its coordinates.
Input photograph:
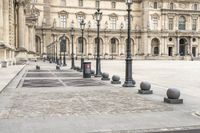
(95, 46)
(183, 47)
(79, 45)
(155, 47)
(38, 45)
(67, 45)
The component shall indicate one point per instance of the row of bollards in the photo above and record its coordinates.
(173, 94)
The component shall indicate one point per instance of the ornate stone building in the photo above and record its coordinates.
(17, 31)
(161, 29)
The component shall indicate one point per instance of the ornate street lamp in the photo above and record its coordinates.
(82, 25)
(129, 82)
(98, 16)
(56, 51)
(63, 48)
(72, 37)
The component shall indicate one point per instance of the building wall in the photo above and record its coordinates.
(15, 41)
(150, 33)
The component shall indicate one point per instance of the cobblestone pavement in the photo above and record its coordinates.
(35, 98)
(50, 101)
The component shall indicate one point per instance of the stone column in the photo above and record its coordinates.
(190, 46)
(136, 43)
(6, 21)
(21, 25)
(44, 44)
(177, 45)
(33, 38)
(2, 20)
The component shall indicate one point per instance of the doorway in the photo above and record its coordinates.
(194, 51)
(183, 47)
(170, 51)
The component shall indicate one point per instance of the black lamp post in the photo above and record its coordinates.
(129, 82)
(98, 16)
(56, 51)
(72, 37)
(82, 25)
(64, 49)
(60, 56)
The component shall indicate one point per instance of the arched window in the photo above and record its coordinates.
(171, 6)
(155, 5)
(182, 23)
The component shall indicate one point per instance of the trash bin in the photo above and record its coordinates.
(4, 64)
(86, 69)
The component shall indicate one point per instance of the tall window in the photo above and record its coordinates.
(63, 21)
(171, 6)
(113, 45)
(195, 7)
(63, 2)
(113, 4)
(97, 3)
(171, 23)
(113, 23)
(126, 23)
(182, 22)
(80, 45)
(155, 23)
(194, 24)
(155, 5)
(79, 19)
(80, 2)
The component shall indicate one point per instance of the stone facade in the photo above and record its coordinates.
(161, 29)
(17, 31)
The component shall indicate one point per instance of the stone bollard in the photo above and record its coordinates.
(4, 64)
(92, 72)
(37, 67)
(145, 88)
(105, 76)
(57, 67)
(115, 79)
(173, 96)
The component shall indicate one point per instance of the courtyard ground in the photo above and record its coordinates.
(51, 101)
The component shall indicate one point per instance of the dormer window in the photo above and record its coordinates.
(155, 5)
(97, 4)
(80, 2)
(113, 4)
(171, 6)
(63, 2)
(195, 7)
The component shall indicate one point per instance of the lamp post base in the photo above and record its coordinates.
(98, 75)
(130, 83)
